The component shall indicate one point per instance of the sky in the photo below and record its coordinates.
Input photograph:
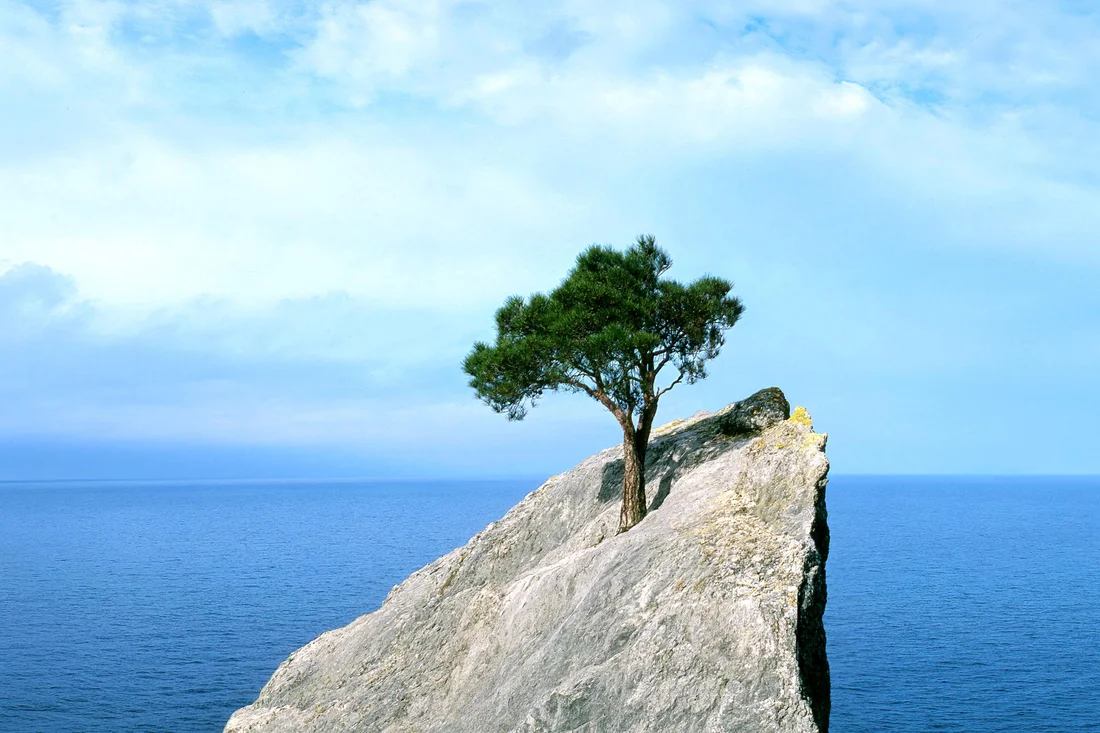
(256, 239)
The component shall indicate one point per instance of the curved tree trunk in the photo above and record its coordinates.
(634, 503)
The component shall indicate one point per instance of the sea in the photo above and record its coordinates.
(968, 604)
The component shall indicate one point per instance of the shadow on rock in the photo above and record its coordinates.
(611, 482)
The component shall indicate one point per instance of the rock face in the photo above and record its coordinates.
(707, 616)
(755, 413)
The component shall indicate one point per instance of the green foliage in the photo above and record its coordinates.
(608, 330)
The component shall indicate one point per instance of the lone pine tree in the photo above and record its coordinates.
(608, 331)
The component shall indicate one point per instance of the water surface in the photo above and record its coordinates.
(964, 604)
(955, 604)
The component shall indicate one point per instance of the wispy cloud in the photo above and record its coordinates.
(285, 222)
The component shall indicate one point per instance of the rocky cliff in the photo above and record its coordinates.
(707, 616)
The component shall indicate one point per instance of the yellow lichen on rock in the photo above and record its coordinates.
(814, 440)
(801, 417)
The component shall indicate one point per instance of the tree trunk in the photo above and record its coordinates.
(634, 504)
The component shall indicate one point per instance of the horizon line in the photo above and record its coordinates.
(511, 477)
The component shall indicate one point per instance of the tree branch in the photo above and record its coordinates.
(600, 396)
(676, 381)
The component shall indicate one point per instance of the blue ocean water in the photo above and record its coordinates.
(964, 604)
(955, 604)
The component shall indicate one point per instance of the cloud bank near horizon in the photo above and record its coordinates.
(280, 226)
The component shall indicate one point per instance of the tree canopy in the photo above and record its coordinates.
(608, 330)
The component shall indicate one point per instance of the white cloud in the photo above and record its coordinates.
(76, 45)
(245, 16)
(761, 100)
(148, 203)
(145, 223)
(376, 44)
(516, 159)
(257, 178)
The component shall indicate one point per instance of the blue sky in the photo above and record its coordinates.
(257, 238)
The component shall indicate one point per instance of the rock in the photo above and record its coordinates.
(706, 616)
(755, 413)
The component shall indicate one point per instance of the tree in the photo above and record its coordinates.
(608, 331)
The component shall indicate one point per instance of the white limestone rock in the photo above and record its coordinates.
(707, 616)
